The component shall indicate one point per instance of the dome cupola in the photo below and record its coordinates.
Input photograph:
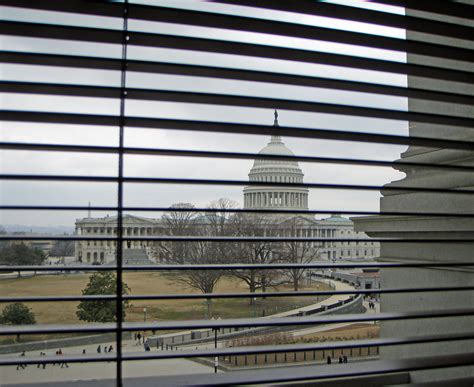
(277, 171)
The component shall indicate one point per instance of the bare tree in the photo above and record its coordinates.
(205, 281)
(180, 220)
(220, 223)
(189, 223)
(255, 252)
(62, 249)
(296, 252)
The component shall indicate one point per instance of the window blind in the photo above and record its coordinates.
(130, 32)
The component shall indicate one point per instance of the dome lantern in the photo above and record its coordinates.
(278, 171)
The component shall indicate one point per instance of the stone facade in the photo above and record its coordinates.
(103, 252)
(437, 228)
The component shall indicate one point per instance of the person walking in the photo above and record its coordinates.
(344, 359)
(328, 359)
(21, 365)
(42, 365)
(111, 348)
(63, 363)
(99, 349)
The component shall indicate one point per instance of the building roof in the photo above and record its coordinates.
(275, 147)
(113, 220)
(336, 218)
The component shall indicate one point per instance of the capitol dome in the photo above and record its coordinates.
(278, 171)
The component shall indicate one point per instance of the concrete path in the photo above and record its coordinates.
(320, 328)
(88, 371)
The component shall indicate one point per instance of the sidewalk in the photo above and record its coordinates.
(88, 371)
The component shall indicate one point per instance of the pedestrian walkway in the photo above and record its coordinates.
(105, 370)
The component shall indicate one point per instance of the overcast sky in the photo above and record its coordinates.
(161, 195)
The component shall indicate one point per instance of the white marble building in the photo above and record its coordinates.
(296, 198)
(103, 252)
(255, 197)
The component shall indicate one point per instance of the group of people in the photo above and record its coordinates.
(141, 339)
(371, 305)
(59, 352)
(110, 348)
(342, 359)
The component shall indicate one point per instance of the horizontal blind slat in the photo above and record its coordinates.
(231, 100)
(390, 341)
(228, 127)
(226, 323)
(99, 35)
(145, 12)
(223, 155)
(219, 182)
(230, 73)
(343, 12)
(236, 210)
(203, 296)
(234, 266)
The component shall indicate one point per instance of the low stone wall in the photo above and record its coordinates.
(61, 343)
(350, 305)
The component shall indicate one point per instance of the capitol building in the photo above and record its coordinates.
(254, 197)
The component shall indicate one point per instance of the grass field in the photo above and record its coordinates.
(147, 283)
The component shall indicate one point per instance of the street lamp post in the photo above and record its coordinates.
(144, 314)
(216, 359)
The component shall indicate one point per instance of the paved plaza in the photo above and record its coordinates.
(89, 371)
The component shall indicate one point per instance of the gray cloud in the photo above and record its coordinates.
(165, 195)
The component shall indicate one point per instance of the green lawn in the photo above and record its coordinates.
(148, 283)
